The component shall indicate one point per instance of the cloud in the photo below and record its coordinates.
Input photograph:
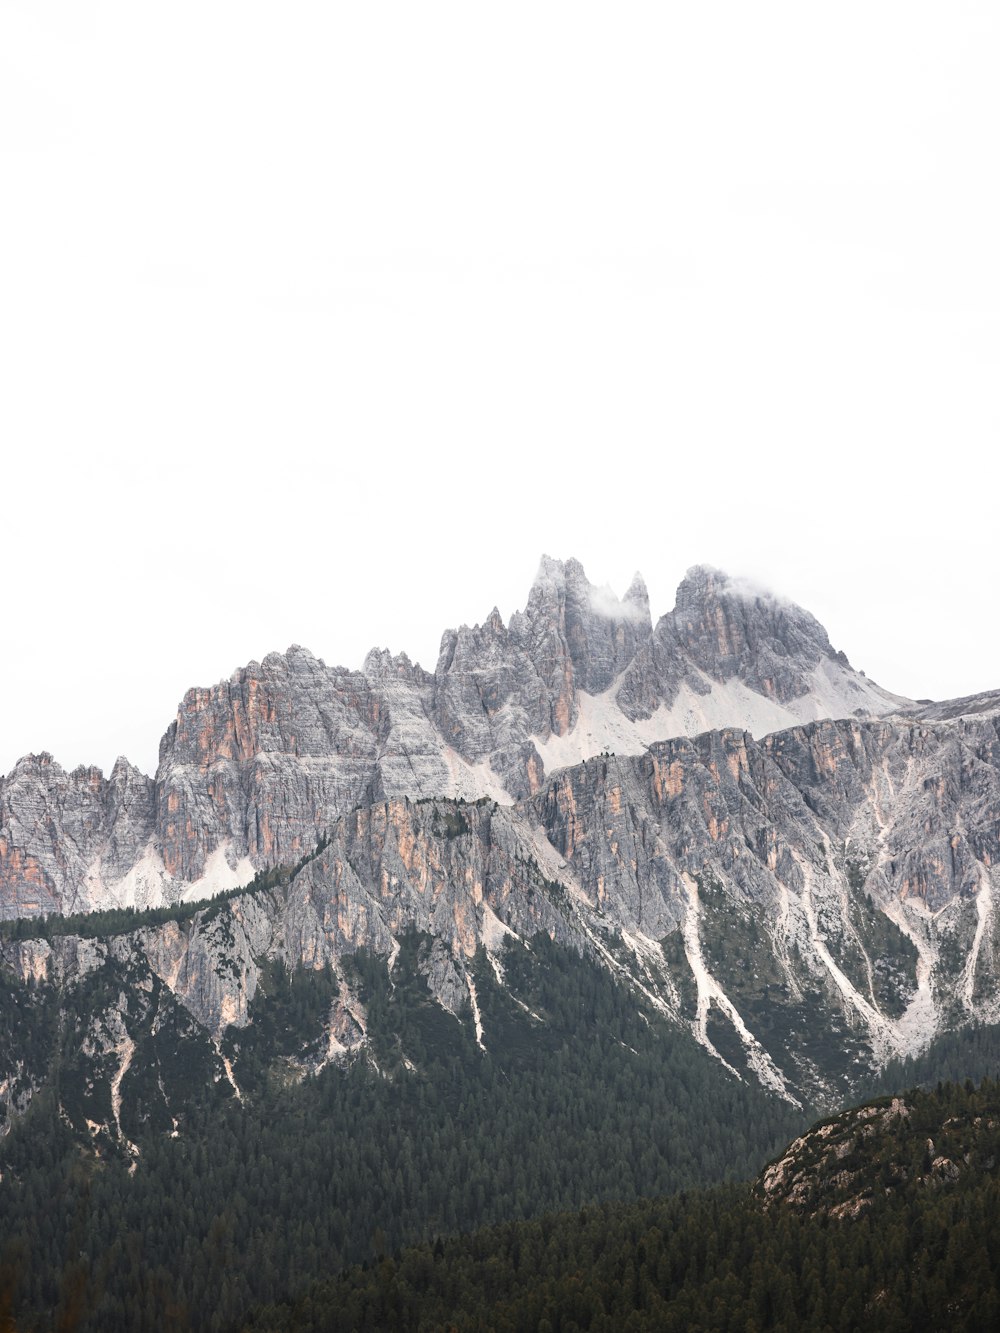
(604, 602)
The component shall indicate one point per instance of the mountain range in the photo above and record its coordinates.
(253, 768)
(770, 850)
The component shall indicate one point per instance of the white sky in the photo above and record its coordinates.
(319, 323)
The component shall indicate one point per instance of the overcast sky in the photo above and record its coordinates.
(319, 323)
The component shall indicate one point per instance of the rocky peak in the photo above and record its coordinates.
(58, 828)
(289, 703)
(637, 598)
(724, 630)
(255, 766)
(729, 627)
(381, 667)
(577, 635)
(33, 764)
(123, 772)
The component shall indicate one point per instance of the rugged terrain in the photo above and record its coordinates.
(254, 769)
(597, 909)
(809, 888)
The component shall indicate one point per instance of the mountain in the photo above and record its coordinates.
(254, 769)
(599, 907)
(810, 903)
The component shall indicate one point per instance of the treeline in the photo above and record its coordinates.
(969, 1052)
(123, 920)
(921, 1257)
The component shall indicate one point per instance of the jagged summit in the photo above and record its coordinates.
(254, 765)
(731, 628)
(560, 584)
(795, 865)
(636, 594)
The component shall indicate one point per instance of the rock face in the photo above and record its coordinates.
(718, 808)
(722, 630)
(60, 831)
(809, 905)
(809, 897)
(499, 689)
(255, 768)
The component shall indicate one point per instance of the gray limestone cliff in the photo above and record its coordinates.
(723, 629)
(809, 905)
(253, 769)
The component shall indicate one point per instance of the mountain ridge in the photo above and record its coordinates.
(253, 768)
(801, 904)
(480, 894)
(810, 900)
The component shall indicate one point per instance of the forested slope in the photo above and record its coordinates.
(579, 1098)
(923, 1252)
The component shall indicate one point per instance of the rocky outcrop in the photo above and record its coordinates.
(970, 705)
(897, 1146)
(828, 1171)
(263, 760)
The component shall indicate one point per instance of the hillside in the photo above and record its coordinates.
(922, 1253)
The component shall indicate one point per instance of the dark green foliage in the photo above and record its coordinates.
(589, 1101)
(288, 1015)
(741, 957)
(672, 947)
(971, 1052)
(920, 1257)
(581, 1098)
(29, 1025)
(451, 823)
(892, 955)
